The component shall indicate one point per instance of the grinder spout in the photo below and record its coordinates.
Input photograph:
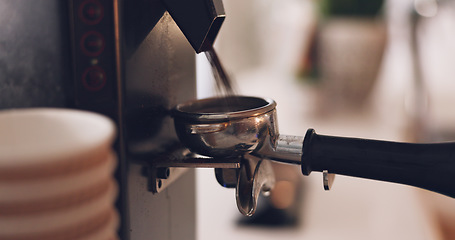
(199, 20)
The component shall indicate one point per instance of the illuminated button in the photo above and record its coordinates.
(92, 43)
(91, 12)
(94, 78)
(94, 62)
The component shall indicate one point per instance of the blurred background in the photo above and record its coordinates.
(376, 69)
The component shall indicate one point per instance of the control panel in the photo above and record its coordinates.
(94, 55)
(95, 63)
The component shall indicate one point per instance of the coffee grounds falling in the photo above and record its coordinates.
(224, 84)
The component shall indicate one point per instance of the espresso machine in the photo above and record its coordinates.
(134, 61)
(131, 60)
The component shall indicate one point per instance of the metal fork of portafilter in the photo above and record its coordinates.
(248, 174)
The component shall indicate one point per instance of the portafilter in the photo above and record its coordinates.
(232, 126)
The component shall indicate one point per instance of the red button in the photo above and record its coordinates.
(91, 12)
(92, 43)
(94, 78)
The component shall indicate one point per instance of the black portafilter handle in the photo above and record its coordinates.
(428, 166)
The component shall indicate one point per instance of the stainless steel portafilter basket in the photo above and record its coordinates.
(237, 125)
(225, 127)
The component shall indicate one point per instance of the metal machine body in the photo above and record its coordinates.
(126, 59)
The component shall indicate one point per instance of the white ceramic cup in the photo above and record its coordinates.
(47, 153)
(44, 141)
(35, 195)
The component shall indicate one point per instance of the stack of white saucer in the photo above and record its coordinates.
(56, 175)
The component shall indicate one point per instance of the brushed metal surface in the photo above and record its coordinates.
(34, 54)
(159, 74)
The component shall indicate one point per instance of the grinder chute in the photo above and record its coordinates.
(200, 25)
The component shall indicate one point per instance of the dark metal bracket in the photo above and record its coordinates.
(248, 174)
(167, 167)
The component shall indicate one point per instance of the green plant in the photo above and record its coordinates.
(360, 8)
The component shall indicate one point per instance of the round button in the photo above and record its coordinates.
(94, 78)
(91, 12)
(92, 43)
